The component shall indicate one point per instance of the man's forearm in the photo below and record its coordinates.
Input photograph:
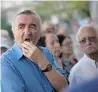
(57, 80)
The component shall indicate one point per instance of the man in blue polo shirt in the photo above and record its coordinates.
(26, 67)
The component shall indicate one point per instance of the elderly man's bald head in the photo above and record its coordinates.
(85, 29)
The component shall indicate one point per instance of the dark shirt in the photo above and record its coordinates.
(67, 65)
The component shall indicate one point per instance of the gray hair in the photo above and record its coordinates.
(80, 29)
(28, 12)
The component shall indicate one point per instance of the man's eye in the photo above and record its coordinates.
(92, 38)
(32, 27)
(20, 27)
(82, 41)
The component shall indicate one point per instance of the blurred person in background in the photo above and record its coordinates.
(5, 41)
(4, 45)
(49, 27)
(62, 31)
(87, 67)
(25, 67)
(5, 34)
(50, 41)
(67, 57)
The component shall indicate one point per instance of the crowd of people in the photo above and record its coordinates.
(42, 58)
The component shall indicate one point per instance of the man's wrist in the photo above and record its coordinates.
(47, 69)
(42, 63)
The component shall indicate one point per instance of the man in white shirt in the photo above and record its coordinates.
(87, 67)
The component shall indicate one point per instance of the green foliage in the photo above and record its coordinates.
(6, 26)
(49, 8)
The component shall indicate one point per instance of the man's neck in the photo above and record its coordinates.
(94, 56)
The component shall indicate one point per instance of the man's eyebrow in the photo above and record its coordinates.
(33, 25)
(92, 36)
(21, 24)
(82, 38)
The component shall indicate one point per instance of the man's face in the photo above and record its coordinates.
(26, 28)
(88, 41)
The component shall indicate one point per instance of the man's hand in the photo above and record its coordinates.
(31, 51)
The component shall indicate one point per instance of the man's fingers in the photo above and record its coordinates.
(29, 44)
(25, 50)
(26, 46)
(23, 45)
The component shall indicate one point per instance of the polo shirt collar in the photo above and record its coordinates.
(18, 51)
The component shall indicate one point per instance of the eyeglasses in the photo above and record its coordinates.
(90, 39)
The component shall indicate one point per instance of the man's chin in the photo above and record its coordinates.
(90, 51)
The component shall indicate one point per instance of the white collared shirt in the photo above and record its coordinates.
(84, 70)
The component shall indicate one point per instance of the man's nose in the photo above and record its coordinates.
(88, 42)
(27, 31)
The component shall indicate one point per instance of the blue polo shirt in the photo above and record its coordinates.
(19, 74)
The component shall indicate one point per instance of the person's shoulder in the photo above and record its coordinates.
(76, 67)
(79, 65)
(84, 61)
(8, 52)
(4, 58)
(81, 61)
